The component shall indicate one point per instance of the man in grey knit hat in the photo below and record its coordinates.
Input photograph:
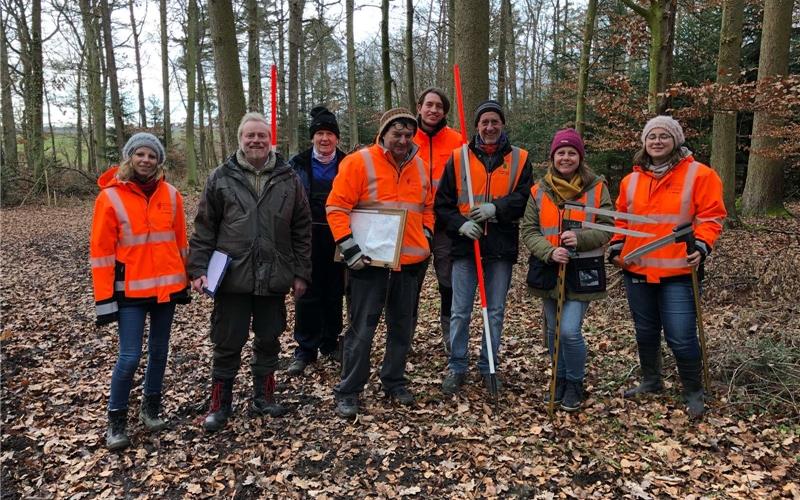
(253, 209)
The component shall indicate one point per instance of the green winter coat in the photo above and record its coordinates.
(588, 239)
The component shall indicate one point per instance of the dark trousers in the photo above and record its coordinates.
(318, 313)
(230, 328)
(371, 290)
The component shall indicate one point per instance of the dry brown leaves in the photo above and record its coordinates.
(56, 369)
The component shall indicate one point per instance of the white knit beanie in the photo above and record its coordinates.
(667, 123)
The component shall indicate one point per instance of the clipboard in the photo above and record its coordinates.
(379, 234)
(217, 265)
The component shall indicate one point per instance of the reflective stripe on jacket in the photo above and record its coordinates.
(689, 192)
(144, 241)
(436, 150)
(549, 216)
(486, 187)
(369, 179)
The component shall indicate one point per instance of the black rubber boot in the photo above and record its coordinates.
(116, 436)
(691, 373)
(149, 413)
(651, 363)
(221, 405)
(264, 396)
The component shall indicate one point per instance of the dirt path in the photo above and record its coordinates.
(56, 368)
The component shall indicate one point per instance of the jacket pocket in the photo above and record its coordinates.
(281, 274)
(541, 275)
(586, 275)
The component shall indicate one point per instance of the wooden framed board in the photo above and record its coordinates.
(379, 234)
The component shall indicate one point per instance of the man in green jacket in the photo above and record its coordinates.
(254, 210)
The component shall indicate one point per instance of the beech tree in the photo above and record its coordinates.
(472, 52)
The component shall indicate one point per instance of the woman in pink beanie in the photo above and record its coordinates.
(568, 178)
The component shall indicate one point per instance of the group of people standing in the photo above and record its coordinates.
(282, 224)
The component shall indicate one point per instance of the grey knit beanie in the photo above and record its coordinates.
(489, 105)
(669, 124)
(144, 140)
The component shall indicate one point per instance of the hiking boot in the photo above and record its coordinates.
(221, 405)
(264, 396)
(402, 396)
(452, 382)
(149, 413)
(573, 396)
(651, 375)
(691, 373)
(297, 367)
(561, 385)
(444, 321)
(487, 382)
(116, 436)
(346, 406)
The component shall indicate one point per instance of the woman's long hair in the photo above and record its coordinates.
(125, 172)
(587, 176)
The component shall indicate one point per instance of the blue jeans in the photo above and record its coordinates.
(497, 277)
(131, 332)
(668, 305)
(572, 347)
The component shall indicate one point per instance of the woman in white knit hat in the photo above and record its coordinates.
(138, 252)
(668, 185)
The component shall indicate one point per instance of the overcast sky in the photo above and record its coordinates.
(366, 25)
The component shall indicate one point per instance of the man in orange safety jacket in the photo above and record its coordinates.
(388, 174)
(436, 143)
(500, 176)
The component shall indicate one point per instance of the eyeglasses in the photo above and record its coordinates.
(660, 137)
(403, 125)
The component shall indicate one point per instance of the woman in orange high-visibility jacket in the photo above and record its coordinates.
(547, 235)
(668, 185)
(138, 253)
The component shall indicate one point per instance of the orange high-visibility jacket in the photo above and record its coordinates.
(486, 187)
(138, 247)
(549, 213)
(368, 178)
(436, 151)
(689, 192)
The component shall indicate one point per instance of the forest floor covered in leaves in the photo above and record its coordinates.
(56, 368)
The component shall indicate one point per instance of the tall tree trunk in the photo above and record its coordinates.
(255, 100)
(282, 106)
(763, 189)
(295, 41)
(352, 107)
(165, 72)
(386, 70)
(79, 116)
(660, 18)
(451, 44)
(501, 55)
(34, 93)
(111, 68)
(192, 22)
(93, 87)
(723, 142)
(511, 55)
(137, 55)
(212, 149)
(229, 75)
(412, 101)
(201, 118)
(583, 70)
(472, 52)
(9, 128)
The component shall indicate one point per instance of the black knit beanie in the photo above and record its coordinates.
(322, 119)
(489, 105)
